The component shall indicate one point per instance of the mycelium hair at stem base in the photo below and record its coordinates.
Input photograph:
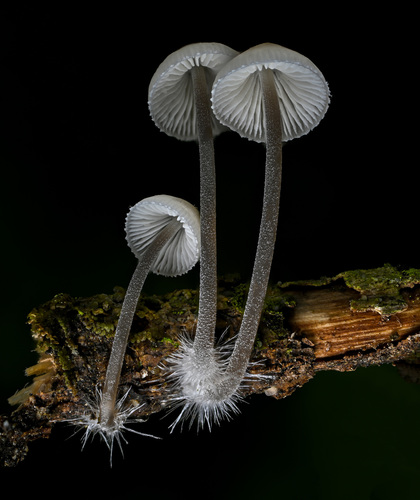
(164, 234)
(179, 104)
(267, 94)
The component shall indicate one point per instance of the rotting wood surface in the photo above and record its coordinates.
(339, 323)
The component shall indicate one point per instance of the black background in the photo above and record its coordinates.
(78, 148)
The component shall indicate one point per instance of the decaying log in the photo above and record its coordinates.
(357, 318)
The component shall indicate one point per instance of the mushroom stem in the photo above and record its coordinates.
(259, 281)
(205, 377)
(206, 323)
(107, 412)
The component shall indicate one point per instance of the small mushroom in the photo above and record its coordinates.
(267, 94)
(164, 234)
(179, 104)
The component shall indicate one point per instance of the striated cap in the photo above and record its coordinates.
(171, 94)
(149, 216)
(302, 91)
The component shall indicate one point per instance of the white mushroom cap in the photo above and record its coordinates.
(149, 216)
(302, 90)
(171, 96)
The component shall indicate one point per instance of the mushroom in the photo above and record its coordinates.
(267, 94)
(164, 234)
(179, 104)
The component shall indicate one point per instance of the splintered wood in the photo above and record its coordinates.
(324, 316)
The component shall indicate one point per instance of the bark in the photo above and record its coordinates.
(358, 318)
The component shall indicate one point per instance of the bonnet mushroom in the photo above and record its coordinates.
(164, 234)
(267, 94)
(179, 104)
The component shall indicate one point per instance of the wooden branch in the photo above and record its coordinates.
(358, 318)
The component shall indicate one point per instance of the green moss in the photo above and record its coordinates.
(238, 298)
(100, 314)
(278, 300)
(58, 326)
(326, 280)
(385, 280)
(67, 367)
(170, 341)
(142, 336)
(277, 303)
(183, 301)
(379, 288)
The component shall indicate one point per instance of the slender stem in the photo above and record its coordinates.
(259, 281)
(119, 346)
(206, 323)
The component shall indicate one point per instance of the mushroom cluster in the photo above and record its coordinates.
(267, 94)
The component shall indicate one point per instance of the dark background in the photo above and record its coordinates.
(78, 148)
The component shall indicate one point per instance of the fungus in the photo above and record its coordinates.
(179, 104)
(267, 94)
(164, 234)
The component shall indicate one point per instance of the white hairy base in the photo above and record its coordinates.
(90, 423)
(196, 387)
